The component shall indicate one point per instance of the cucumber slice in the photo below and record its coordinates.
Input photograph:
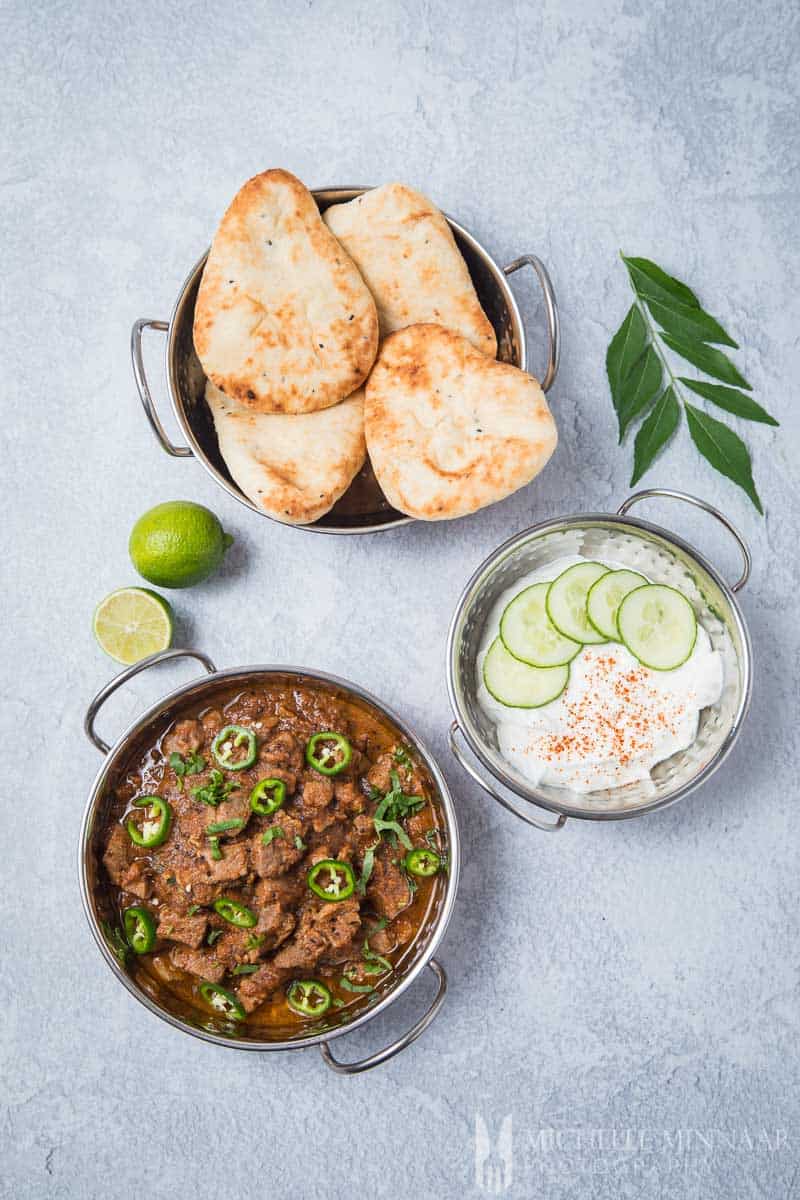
(658, 625)
(566, 602)
(515, 684)
(529, 634)
(605, 597)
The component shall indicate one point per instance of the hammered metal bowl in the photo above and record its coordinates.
(664, 558)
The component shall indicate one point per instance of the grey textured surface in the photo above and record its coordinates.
(632, 988)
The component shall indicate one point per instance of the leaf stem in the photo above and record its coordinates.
(656, 344)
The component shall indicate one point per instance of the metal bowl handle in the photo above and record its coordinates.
(140, 376)
(123, 677)
(382, 1056)
(458, 753)
(551, 313)
(706, 507)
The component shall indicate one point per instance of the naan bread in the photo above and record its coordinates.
(448, 429)
(294, 468)
(403, 247)
(283, 320)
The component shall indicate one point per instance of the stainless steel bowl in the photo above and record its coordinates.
(665, 558)
(206, 689)
(363, 508)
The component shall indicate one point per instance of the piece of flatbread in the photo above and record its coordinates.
(283, 320)
(448, 429)
(406, 252)
(294, 468)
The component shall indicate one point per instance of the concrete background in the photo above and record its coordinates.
(633, 988)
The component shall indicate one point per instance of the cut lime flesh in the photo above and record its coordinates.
(658, 626)
(605, 597)
(528, 633)
(517, 685)
(132, 623)
(566, 602)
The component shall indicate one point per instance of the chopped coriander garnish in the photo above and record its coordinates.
(254, 941)
(299, 844)
(193, 764)
(402, 757)
(119, 946)
(366, 870)
(224, 826)
(214, 935)
(216, 790)
(275, 831)
(244, 969)
(193, 908)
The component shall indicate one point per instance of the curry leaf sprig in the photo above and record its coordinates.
(666, 313)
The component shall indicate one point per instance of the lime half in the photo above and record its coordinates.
(132, 623)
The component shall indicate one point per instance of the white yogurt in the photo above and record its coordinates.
(615, 720)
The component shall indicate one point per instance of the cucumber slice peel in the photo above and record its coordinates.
(605, 597)
(514, 684)
(658, 626)
(566, 602)
(528, 633)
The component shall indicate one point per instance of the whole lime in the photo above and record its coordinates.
(177, 544)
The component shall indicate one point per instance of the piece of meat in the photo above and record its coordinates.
(338, 923)
(212, 722)
(417, 825)
(117, 854)
(285, 890)
(180, 927)
(197, 962)
(192, 819)
(350, 800)
(379, 774)
(397, 933)
(254, 989)
(283, 750)
(281, 854)
(233, 864)
(185, 738)
(274, 926)
(388, 889)
(317, 792)
(137, 879)
(364, 834)
(250, 706)
(235, 808)
(337, 842)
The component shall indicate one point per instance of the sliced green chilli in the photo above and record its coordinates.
(140, 928)
(222, 1001)
(658, 626)
(528, 633)
(566, 602)
(605, 597)
(516, 685)
(268, 796)
(235, 913)
(228, 741)
(308, 998)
